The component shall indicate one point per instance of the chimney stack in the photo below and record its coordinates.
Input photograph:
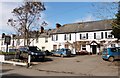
(58, 25)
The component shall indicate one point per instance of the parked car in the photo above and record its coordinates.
(34, 51)
(111, 54)
(48, 53)
(62, 52)
(83, 52)
(13, 50)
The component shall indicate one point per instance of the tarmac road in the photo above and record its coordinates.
(88, 65)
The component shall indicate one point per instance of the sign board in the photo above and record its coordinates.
(7, 40)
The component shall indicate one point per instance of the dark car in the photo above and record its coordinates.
(62, 52)
(34, 51)
(48, 53)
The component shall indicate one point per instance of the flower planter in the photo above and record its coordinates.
(7, 57)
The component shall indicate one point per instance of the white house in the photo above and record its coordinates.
(90, 36)
(43, 42)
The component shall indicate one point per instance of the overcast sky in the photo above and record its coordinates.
(59, 12)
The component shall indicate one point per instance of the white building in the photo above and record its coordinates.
(90, 36)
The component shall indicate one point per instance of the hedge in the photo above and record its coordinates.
(7, 53)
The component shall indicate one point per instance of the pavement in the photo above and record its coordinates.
(88, 65)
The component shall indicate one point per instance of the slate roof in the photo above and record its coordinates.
(85, 27)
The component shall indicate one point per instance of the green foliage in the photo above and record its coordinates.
(116, 26)
(7, 53)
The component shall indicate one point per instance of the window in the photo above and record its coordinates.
(2, 43)
(83, 36)
(101, 35)
(52, 38)
(86, 35)
(54, 47)
(109, 36)
(80, 36)
(94, 35)
(65, 37)
(66, 45)
(56, 37)
(112, 45)
(105, 34)
(83, 47)
(70, 37)
(18, 41)
(43, 48)
(46, 40)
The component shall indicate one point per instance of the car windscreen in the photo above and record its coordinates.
(119, 49)
(113, 49)
(12, 50)
(32, 48)
(23, 49)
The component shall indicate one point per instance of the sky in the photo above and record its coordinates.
(61, 12)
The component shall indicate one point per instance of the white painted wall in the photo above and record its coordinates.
(74, 37)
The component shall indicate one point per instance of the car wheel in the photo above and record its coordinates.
(111, 59)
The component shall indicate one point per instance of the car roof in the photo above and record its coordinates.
(113, 47)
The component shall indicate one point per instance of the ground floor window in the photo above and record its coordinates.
(66, 45)
(3, 49)
(43, 48)
(112, 45)
(83, 47)
(54, 47)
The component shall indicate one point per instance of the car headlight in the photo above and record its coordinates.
(36, 53)
(32, 53)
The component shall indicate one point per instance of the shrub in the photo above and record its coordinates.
(7, 53)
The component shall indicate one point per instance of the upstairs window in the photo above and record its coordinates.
(94, 35)
(101, 35)
(109, 35)
(83, 36)
(80, 36)
(56, 37)
(69, 36)
(105, 34)
(86, 35)
(46, 40)
(52, 38)
(65, 37)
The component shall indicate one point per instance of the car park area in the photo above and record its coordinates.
(81, 65)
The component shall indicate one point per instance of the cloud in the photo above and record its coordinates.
(5, 14)
(86, 19)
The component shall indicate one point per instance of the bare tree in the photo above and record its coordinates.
(25, 17)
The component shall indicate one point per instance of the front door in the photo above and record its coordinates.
(94, 49)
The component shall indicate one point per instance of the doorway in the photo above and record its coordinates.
(94, 49)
